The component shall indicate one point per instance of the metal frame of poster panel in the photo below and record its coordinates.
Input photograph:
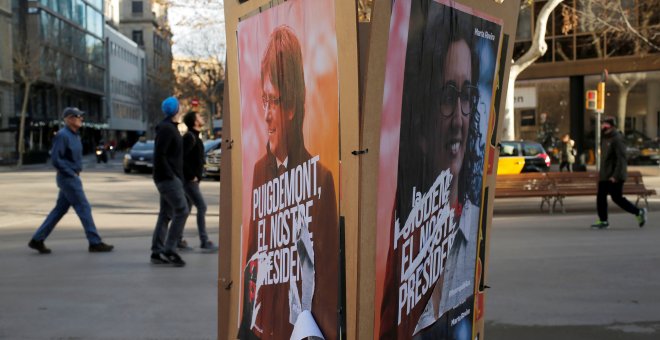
(439, 84)
(289, 99)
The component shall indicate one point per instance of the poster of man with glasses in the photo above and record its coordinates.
(440, 71)
(290, 156)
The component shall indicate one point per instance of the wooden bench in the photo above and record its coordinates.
(586, 184)
(553, 187)
(530, 184)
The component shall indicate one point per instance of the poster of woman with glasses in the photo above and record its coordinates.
(439, 83)
(290, 156)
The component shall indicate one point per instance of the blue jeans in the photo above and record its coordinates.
(195, 197)
(71, 194)
(174, 208)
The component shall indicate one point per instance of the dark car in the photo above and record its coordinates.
(647, 149)
(213, 154)
(535, 157)
(140, 157)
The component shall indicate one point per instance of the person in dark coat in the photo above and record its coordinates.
(613, 173)
(168, 177)
(193, 167)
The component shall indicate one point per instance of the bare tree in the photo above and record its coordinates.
(538, 49)
(629, 28)
(27, 69)
(200, 44)
(203, 78)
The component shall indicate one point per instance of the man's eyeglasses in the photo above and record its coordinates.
(77, 116)
(468, 95)
(267, 102)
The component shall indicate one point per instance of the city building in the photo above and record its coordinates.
(6, 83)
(550, 94)
(65, 38)
(125, 89)
(146, 23)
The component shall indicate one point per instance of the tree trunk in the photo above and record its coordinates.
(538, 49)
(621, 109)
(625, 83)
(21, 128)
(509, 132)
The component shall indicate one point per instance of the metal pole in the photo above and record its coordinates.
(598, 113)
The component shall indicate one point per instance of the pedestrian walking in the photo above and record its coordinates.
(613, 173)
(567, 153)
(193, 166)
(66, 156)
(168, 177)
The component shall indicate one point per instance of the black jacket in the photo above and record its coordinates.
(193, 156)
(168, 152)
(613, 157)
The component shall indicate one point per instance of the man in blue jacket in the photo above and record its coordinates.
(168, 176)
(66, 156)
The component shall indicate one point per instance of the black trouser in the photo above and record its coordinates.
(567, 165)
(615, 190)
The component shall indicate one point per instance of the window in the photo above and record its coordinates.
(137, 37)
(532, 149)
(137, 7)
(508, 149)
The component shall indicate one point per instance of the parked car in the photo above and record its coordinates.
(647, 149)
(140, 157)
(522, 156)
(213, 154)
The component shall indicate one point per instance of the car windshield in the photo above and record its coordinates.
(530, 149)
(508, 150)
(211, 145)
(140, 146)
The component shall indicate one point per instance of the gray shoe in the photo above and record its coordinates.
(183, 246)
(209, 247)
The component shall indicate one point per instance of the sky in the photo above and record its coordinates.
(198, 28)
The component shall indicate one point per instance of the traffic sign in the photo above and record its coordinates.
(592, 97)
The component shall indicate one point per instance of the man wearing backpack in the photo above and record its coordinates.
(193, 165)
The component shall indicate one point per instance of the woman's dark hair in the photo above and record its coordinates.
(189, 119)
(428, 43)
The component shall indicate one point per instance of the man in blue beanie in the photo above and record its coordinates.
(168, 176)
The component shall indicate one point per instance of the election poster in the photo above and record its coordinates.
(439, 85)
(289, 109)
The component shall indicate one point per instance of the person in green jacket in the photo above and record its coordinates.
(613, 173)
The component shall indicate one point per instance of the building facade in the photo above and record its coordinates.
(6, 82)
(125, 89)
(66, 39)
(550, 94)
(146, 23)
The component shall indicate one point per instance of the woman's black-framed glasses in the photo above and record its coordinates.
(267, 101)
(468, 95)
